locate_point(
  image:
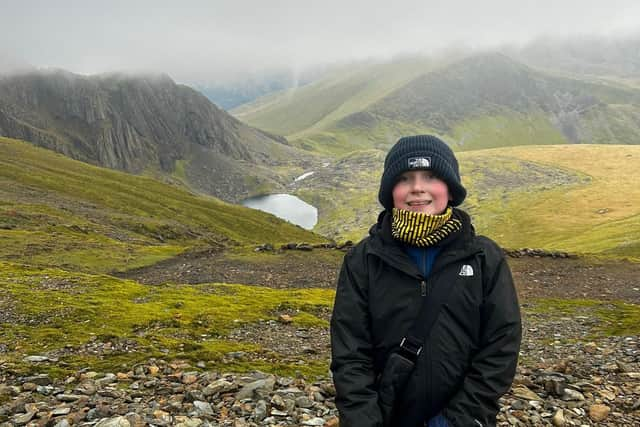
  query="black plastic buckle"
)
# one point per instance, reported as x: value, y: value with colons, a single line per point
x: 410, y: 348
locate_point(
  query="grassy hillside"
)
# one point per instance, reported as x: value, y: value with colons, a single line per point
x: 311, y: 108
x: 482, y: 101
x: 595, y: 212
x: 65, y: 225
x: 58, y: 212
x: 577, y: 198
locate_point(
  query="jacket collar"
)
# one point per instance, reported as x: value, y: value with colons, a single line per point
x: 459, y: 245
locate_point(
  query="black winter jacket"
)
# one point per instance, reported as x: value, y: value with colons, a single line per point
x: 470, y: 357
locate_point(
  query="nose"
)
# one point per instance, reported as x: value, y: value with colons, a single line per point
x: 418, y: 185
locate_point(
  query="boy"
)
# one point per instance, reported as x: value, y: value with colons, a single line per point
x: 450, y: 370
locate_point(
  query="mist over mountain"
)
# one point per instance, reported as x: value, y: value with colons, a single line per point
x: 596, y: 56
x: 493, y: 85
x: 230, y: 94
x: 475, y: 101
x: 140, y: 124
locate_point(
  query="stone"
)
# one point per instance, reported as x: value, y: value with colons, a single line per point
x: 189, y: 378
x: 285, y: 318
x: 570, y: 394
x: 609, y: 395
x: 41, y: 379
x: 519, y: 405
x: 135, y: 420
x: 203, y: 408
x: 113, y: 422
x: 277, y: 402
x: 68, y: 397
x: 45, y: 390
x: 182, y: 421
x: 36, y: 359
x: 555, y: 385
x: 259, y: 387
x: 523, y: 392
x: 162, y: 416
x: 599, y: 412
x: 56, y: 412
x: 219, y: 386
x: 314, y: 422
x: 29, y: 386
x: 62, y: 423
x: 87, y: 388
x: 558, y: 419
x: 107, y: 379
x: 304, y: 402
x: 260, y: 411
x: 22, y: 419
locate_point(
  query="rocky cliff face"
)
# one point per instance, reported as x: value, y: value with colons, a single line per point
x: 136, y: 124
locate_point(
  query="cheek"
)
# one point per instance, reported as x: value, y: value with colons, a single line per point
x: 399, y: 194
x: 440, y: 190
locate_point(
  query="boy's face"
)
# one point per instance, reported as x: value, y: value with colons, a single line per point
x: 421, y: 191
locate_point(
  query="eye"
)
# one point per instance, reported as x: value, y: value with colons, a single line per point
x: 428, y: 176
x: 403, y: 178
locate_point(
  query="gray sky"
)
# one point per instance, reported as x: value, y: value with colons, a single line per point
x: 216, y: 40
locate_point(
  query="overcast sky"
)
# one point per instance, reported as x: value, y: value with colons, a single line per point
x: 211, y: 40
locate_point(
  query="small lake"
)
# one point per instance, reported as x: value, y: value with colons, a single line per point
x: 285, y: 206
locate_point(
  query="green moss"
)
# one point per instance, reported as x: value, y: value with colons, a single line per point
x: 614, y: 318
x: 57, y: 309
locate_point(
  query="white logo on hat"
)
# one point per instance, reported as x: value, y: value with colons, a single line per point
x: 419, y: 162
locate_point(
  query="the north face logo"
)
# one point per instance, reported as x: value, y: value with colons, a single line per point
x: 419, y: 162
x: 466, y: 270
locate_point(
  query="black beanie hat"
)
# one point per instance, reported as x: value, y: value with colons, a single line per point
x: 421, y: 152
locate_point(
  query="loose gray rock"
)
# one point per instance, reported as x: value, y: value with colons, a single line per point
x: 113, y: 422
x: 261, y: 388
x: 203, y: 408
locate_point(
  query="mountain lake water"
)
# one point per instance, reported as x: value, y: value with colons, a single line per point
x: 285, y: 206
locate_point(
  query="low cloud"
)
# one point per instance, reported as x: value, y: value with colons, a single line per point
x: 219, y: 40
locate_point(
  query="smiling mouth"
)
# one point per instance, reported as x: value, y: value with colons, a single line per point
x: 420, y: 203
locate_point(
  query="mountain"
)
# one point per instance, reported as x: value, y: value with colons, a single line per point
x: 614, y: 58
x: 142, y: 124
x: 480, y: 101
x: 345, y: 90
x: 59, y: 212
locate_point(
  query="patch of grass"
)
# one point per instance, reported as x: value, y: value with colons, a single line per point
x: 614, y: 318
x: 64, y: 213
x: 171, y: 320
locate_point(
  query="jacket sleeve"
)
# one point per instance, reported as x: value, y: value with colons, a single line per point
x: 494, y: 365
x: 352, y: 352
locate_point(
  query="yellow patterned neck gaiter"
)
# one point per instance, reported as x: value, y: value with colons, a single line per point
x: 422, y: 230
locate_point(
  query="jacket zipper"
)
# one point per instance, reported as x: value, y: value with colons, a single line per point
x: 423, y: 283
